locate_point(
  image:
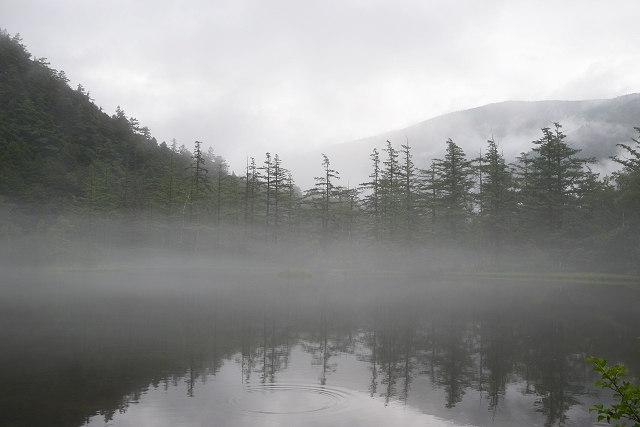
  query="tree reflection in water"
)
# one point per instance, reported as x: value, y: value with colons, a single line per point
x: 76, y: 360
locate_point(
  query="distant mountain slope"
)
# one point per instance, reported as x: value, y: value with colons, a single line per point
x: 595, y: 126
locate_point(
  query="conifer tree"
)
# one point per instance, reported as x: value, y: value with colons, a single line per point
x: 233, y: 189
x: 631, y: 163
x: 373, y: 198
x: 291, y: 204
x: 409, y: 188
x: 200, y: 183
x: 267, y: 174
x: 347, y: 211
x: 220, y: 191
x: 323, y: 192
x: 429, y: 193
x: 252, y: 192
x: 628, y: 183
x: 453, y: 184
x: 279, y: 174
x: 169, y: 190
x: 497, y: 197
x: 391, y: 189
x: 555, y: 174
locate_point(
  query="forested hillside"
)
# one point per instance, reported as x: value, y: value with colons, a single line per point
x: 61, y: 152
x: 75, y: 180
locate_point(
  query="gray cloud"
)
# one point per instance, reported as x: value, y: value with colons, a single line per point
x: 286, y: 76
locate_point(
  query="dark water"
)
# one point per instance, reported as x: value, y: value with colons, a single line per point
x: 220, y: 347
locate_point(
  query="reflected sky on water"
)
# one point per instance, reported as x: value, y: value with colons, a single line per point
x: 241, y: 349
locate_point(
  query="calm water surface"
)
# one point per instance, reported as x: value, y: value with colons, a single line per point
x: 221, y: 347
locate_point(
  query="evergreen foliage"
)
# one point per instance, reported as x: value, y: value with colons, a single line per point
x: 555, y: 177
x: 453, y: 185
x: 496, y: 198
x: 70, y: 174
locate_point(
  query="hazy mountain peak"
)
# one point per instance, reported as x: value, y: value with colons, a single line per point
x: 595, y: 126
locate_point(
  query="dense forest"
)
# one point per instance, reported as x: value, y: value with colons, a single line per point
x: 75, y: 180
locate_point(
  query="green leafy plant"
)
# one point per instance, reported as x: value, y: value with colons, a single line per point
x: 628, y: 408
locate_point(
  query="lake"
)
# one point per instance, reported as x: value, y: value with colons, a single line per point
x: 259, y: 346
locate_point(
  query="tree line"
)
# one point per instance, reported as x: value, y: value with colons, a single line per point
x: 68, y: 169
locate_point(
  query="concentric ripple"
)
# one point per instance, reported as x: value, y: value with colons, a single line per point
x: 288, y: 399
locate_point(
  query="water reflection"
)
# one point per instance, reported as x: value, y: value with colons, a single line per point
x: 456, y: 351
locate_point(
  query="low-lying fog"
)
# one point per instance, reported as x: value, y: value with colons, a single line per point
x: 168, y: 339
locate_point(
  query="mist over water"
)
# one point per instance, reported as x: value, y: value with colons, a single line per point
x: 188, y: 342
x: 460, y: 282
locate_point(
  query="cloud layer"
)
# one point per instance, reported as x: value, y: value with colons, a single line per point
x: 251, y: 76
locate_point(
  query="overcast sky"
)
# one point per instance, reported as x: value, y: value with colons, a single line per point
x: 248, y: 77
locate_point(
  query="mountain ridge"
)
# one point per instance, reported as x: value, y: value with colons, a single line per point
x: 595, y: 126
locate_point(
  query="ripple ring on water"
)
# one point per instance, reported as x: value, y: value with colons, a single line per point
x: 285, y: 399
